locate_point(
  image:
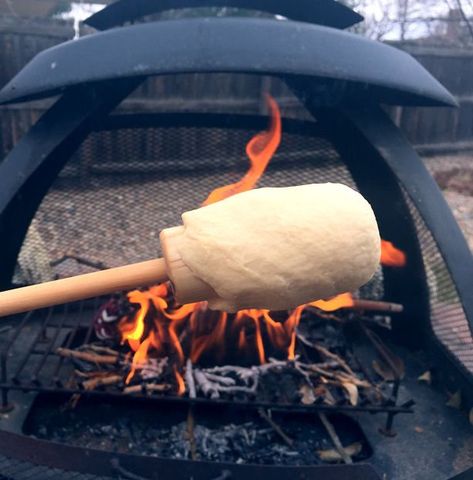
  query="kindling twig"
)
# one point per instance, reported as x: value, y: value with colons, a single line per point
x: 190, y: 379
x: 98, y: 349
x: 335, y: 438
x: 88, y: 357
x: 190, y: 432
x: 101, y: 381
x: 148, y: 388
x: 82, y: 260
x: 262, y: 413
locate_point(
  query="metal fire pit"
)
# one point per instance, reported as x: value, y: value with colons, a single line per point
x: 100, y: 168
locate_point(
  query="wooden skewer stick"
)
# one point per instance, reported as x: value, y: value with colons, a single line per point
x: 81, y: 287
x: 188, y: 287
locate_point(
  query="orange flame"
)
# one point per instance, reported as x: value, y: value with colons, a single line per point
x: 161, y: 328
x: 343, y: 300
x: 260, y: 149
x: 392, y: 256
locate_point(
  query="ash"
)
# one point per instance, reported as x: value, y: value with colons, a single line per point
x: 217, y: 434
x: 246, y: 443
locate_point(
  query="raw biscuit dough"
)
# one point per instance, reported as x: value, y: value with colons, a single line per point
x: 277, y: 248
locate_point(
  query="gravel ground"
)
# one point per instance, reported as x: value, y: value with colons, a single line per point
x: 454, y: 174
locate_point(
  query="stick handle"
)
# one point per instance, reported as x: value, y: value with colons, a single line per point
x: 83, y: 286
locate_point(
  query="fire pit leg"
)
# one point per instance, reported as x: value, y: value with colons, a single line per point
x: 5, y: 407
x: 387, y: 430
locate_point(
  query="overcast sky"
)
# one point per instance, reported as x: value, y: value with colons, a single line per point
x: 373, y: 10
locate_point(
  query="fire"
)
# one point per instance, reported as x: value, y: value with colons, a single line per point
x: 160, y: 328
x: 392, y: 256
x: 260, y: 149
x: 343, y: 300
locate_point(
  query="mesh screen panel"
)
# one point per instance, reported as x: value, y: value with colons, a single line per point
x: 448, y: 319
x: 124, y: 186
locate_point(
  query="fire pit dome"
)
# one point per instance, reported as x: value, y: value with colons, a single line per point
x: 99, y: 152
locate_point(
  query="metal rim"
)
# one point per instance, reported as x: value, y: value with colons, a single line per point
x: 343, y: 67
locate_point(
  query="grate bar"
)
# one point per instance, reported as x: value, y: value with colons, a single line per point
x: 72, y: 335
x: 40, y: 336
x: 55, y: 383
x: 52, y: 342
x: 280, y: 407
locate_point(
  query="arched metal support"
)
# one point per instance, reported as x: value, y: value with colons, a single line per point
x: 361, y: 70
x: 378, y: 183
x: 402, y: 160
x: 29, y: 170
x: 380, y: 159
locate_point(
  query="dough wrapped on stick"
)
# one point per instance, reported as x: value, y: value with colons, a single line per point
x: 272, y: 248
x: 275, y: 248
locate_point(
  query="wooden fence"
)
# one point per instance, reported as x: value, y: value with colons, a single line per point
x: 430, y: 130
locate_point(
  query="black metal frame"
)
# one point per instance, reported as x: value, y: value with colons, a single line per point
x: 322, y: 12
x: 28, y: 171
x: 361, y: 69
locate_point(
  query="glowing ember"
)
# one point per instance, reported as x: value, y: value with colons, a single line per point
x: 160, y: 328
x: 392, y: 256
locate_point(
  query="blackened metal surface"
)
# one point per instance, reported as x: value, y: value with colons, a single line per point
x: 466, y: 475
x: 322, y: 12
x: 343, y: 66
x: 28, y: 171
